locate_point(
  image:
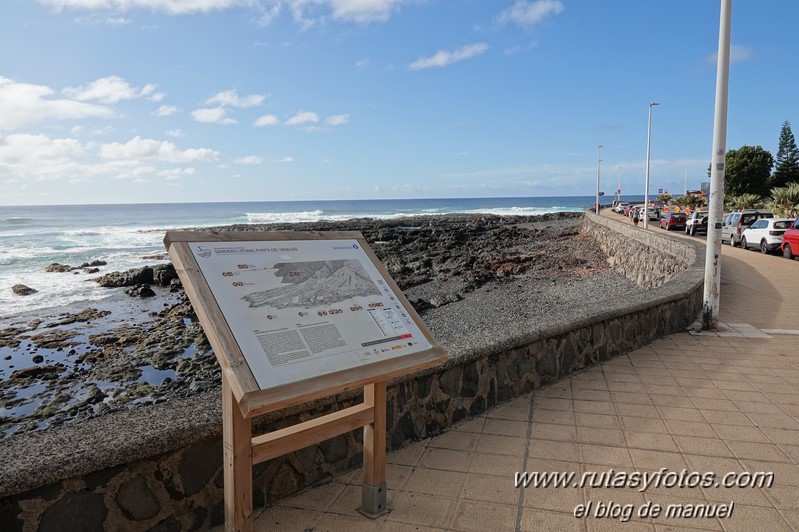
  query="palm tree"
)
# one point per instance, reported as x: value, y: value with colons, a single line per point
x: 746, y: 201
x: 665, y: 198
x: 693, y: 202
x: 784, y: 201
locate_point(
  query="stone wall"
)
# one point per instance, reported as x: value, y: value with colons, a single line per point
x: 644, y: 257
x: 160, y: 467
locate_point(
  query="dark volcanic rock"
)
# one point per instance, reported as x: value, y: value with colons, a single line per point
x: 93, y: 264
x: 131, y: 277
x: 164, y: 274
x: 161, y: 275
x: 56, y: 267
x: 37, y: 371
x: 141, y: 290
x: 22, y: 290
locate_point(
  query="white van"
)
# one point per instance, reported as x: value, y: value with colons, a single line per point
x: 734, y: 224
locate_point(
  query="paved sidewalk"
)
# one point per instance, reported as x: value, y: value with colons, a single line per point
x: 708, y: 402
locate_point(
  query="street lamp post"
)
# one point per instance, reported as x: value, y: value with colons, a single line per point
x: 646, y: 185
x: 618, y: 190
x: 597, y: 178
x: 712, y: 291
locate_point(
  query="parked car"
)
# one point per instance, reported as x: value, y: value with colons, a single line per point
x: 696, y: 223
x: 673, y: 220
x: 652, y: 213
x: 736, y: 222
x: 790, y: 241
x: 619, y: 208
x: 766, y: 234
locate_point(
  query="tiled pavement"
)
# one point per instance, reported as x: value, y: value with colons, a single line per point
x: 708, y: 402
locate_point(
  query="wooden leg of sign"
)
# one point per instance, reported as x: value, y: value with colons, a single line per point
x: 373, y: 490
x: 237, y: 439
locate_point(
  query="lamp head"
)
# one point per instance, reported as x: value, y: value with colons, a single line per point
x: 653, y: 103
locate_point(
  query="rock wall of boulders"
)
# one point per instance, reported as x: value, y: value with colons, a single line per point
x: 181, y: 485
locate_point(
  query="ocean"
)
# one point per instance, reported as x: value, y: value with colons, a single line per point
x: 32, y: 237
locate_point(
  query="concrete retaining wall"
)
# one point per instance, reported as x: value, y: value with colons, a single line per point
x: 160, y: 467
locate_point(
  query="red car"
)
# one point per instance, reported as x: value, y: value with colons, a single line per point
x: 790, y: 241
x: 673, y: 220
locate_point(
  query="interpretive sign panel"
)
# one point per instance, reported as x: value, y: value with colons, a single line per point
x: 301, y: 306
x: 292, y: 317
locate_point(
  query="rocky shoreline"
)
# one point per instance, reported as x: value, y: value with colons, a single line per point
x: 466, y: 275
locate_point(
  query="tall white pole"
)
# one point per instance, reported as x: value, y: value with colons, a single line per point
x: 597, y: 178
x: 646, y: 184
x: 710, y: 306
x: 618, y: 190
x: 685, y: 184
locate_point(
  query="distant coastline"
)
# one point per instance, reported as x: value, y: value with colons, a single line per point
x: 31, y: 238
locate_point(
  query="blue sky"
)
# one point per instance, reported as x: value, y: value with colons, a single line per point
x: 120, y: 101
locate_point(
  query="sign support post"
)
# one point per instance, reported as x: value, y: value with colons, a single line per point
x: 373, y: 491
x: 236, y: 439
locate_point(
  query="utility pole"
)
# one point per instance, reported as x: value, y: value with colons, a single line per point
x: 646, y: 184
x: 710, y: 305
x: 597, y: 177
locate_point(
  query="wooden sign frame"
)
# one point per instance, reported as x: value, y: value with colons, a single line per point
x: 243, y: 398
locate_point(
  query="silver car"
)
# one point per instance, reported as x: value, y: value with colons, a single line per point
x: 697, y: 223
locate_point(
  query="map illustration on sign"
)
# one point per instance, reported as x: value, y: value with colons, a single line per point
x: 313, y: 283
x: 306, y: 307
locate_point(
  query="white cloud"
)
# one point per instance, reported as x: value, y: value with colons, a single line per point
x: 213, y: 115
x: 738, y: 54
x: 266, y: 120
x: 443, y: 58
x: 309, y: 13
x: 165, y: 110
x: 530, y: 13
x: 108, y: 90
x: 176, y: 173
x: 177, y: 133
x: 363, y: 63
x: 363, y: 11
x: 23, y: 104
x: 172, y: 7
x: 338, y: 120
x: 306, y: 13
x: 303, y: 117
x: 286, y: 160
x: 95, y: 18
x: 117, y: 21
x: 157, y: 97
x: 250, y: 159
x: 517, y: 49
x: 231, y: 98
x: 25, y: 157
x: 160, y: 150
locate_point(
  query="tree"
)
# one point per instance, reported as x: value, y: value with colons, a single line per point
x: 693, y: 202
x: 746, y: 201
x: 787, y: 161
x: 748, y: 171
x: 784, y: 201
